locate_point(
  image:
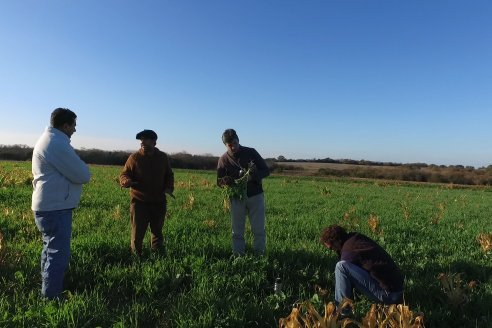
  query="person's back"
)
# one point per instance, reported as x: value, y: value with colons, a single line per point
x: 363, y: 265
x: 366, y: 253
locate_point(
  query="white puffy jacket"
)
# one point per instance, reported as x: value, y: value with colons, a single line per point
x: 58, y: 173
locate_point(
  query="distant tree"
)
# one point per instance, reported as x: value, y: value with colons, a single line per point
x: 327, y: 160
x: 16, y: 152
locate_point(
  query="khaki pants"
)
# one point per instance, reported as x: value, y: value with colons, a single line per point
x: 142, y: 216
x: 255, y: 208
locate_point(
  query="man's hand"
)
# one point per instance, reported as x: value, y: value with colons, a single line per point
x: 253, y: 173
x: 226, y: 181
x: 169, y: 192
x: 127, y: 183
x: 253, y: 168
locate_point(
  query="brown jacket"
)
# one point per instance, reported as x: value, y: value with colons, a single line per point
x: 152, y: 175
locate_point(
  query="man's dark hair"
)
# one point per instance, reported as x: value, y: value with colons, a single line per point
x: 335, y: 235
x: 229, y: 135
x: 61, y: 116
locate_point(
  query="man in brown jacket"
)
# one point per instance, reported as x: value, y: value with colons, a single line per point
x: 149, y: 176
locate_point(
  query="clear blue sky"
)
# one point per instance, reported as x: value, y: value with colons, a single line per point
x: 383, y: 80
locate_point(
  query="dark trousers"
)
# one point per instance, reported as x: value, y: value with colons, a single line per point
x: 142, y: 216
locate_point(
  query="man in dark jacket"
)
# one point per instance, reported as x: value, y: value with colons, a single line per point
x: 363, y: 265
x: 149, y: 175
x: 241, y: 169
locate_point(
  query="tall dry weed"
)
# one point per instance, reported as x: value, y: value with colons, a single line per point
x: 485, y: 241
x: 2, y: 249
x: 374, y: 224
x: 440, y: 213
x: 457, y: 291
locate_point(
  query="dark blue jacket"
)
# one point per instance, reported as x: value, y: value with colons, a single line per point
x: 366, y: 253
x: 230, y: 164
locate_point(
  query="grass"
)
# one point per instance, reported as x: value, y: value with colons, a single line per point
x: 428, y: 228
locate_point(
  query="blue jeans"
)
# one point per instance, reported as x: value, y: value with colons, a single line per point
x: 349, y: 276
x: 255, y: 207
x: 56, y: 231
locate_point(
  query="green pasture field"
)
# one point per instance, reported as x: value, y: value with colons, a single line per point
x: 428, y: 229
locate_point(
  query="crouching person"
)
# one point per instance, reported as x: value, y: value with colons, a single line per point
x: 363, y: 265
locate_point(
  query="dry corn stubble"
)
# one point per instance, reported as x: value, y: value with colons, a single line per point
x: 304, y: 315
x: 485, y: 241
x: 379, y: 316
x: 457, y: 292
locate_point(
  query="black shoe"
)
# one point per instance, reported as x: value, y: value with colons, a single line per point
x: 161, y: 251
x: 346, y: 313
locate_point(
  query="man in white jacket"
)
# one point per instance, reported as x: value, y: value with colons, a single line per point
x: 58, y: 177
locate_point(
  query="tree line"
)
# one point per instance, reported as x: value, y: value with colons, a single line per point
x: 180, y: 160
x: 434, y: 174
x: 420, y: 172
x: 364, y: 162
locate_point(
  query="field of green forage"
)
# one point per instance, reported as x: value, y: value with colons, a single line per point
x: 440, y: 235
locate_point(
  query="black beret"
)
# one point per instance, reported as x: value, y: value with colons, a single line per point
x: 147, y: 134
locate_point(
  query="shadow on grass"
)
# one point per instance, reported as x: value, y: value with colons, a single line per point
x: 120, y: 276
x: 301, y: 273
x: 426, y: 293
